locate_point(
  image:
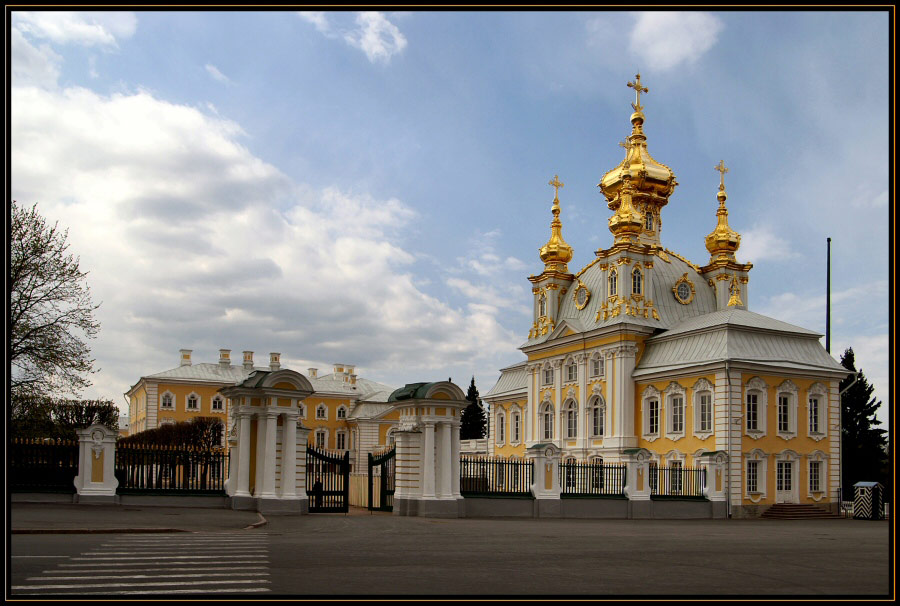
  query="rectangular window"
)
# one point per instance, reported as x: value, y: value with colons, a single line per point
x: 572, y: 372
x: 320, y: 439
x: 516, y: 427
x: 654, y: 416
x: 677, y: 414
x: 783, y: 414
x: 596, y: 367
x: 675, y: 477
x: 217, y: 404
x: 572, y: 424
x: 705, y: 412
x: 752, y: 412
x: 548, y: 376
x: 501, y: 437
x: 752, y: 476
x: 598, y: 421
x: 341, y: 439
x: 548, y: 425
x: 813, y: 415
x: 783, y: 476
x: 814, y: 475
x: 192, y: 403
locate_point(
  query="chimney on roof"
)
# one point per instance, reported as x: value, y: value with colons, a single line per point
x: 224, y: 357
x: 312, y: 372
x: 338, y: 369
x: 248, y: 360
x: 274, y: 361
x: 185, y: 356
x: 353, y: 381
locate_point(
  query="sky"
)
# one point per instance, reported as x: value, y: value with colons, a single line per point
x: 370, y: 188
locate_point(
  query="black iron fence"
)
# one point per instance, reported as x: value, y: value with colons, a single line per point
x: 170, y: 470
x: 42, y: 465
x: 483, y: 476
x: 592, y: 480
x: 677, y: 481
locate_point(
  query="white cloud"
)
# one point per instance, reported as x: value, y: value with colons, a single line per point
x: 318, y: 19
x: 213, y: 71
x: 191, y: 241
x: 85, y: 28
x: 761, y: 243
x: 377, y: 37
x: 33, y: 66
x: 662, y: 40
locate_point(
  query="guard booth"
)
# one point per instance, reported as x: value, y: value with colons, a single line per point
x: 868, y: 501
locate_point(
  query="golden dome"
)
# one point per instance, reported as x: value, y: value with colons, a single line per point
x: 653, y: 182
x: 626, y: 222
x: 556, y: 253
x: 723, y: 242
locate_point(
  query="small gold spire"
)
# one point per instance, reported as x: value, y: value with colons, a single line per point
x: 638, y: 89
x: 723, y: 242
x: 556, y: 253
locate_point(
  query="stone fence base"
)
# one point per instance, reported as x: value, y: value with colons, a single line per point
x: 594, y: 508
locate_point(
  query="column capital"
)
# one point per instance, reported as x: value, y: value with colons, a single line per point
x: 272, y: 414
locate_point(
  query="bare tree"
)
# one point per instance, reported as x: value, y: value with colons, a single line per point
x: 51, y: 313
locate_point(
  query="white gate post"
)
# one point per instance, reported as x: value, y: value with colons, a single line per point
x: 96, y: 480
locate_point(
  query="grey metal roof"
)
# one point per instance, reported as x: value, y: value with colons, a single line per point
x: 208, y: 372
x: 512, y: 379
x: 368, y: 410
x: 365, y: 389
x: 735, y: 335
x: 667, y: 269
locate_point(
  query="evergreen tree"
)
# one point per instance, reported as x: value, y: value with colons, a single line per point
x: 864, y: 445
x: 473, y: 421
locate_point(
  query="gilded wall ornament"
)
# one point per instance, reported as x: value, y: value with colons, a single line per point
x: 683, y: 290
x: 581, y: 295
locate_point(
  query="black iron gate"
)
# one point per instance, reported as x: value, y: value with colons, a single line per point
x: 381, y: 472
x: 327, y: 481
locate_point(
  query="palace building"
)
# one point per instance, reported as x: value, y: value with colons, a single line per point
x: 642, y: 348
x: 344, y: 412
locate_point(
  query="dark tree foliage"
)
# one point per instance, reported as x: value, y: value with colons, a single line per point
x: 864, y: 446
x: 204, y: 433
x: 473, y: 421
x: 50, y: 311
x: 43, y: 417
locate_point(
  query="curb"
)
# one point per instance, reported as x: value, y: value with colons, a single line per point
x: 92, y: 530
x: 262, y: 522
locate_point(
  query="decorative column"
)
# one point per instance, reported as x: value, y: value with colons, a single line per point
x: 445, y: 461
x: 268, y: 491
x: 289, y: 456
x: 637, y: 482
x: 231, y: 442
x: 582, y: 360
x: 454, y: 458
x: 530, y: 405
x: 243, y: 454
x: 428, y: 459
x: 557, y: 405
x: 545, y: 485
x: 623, y: 397
x: 96, y: 480
x: 260, y: 452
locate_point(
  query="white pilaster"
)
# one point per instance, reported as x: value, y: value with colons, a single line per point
x: 289, y: 457
x: 259, y: 486
x: 454, y: 458
x: 243, y: 462
x: 445, y: 461
x: 428, y: 461
x: 270, y: 457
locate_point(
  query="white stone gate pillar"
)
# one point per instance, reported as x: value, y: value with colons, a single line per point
x: 716, y: 465
x: 637, y: 482
x: 545, y: 484
x: 289, y: 456
x: 96, y: 480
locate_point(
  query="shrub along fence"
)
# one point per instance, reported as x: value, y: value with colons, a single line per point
x: 483, y: 476
x: 143, y: 469
x: 43, y: 465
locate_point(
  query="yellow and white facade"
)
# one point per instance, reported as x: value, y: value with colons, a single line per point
x: 642, y: 348
x: 344, y: 412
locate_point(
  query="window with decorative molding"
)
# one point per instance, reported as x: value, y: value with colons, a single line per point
x: 548, y: 376
x: 613, y: 280
x: 547, y: 421
x: 755, y: 402
x: 814, y: 415
x: 815, y: 469
x: 218, y: 404
x: 650, y: 413
x: 571, y: 372
x: 572, y: 420
x: 654, y: 416
x: 320, y: 439
x: 786, y: 408
x: 501, y: 428
x: 597, y: 414
x: 784, y: 414
x: 752, y: 412
x: 542, y: 305
x: 648, y: 221
x: 677, y: 414
x: 816, y: 411
x: 637, y: 281
x: 340, y: 440
x: 516, y: 427
x: 321, y: 411
x: 168, y: 400
x: 752, y: 476
x: 597, y: 367
x: 193, y: 402
x: 342, y: 413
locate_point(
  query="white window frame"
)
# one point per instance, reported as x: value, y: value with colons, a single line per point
x: 700, y: 389
x: 162, y: 400
x: 212, y: 404
x: 820, y: 393
x: 571, y: 371
x: 673, y: 392
x: 542, y: 305
x: 761, y: 459
x: 301, y: 408
x: 515, y: 425
x: 598, y: 411
x: 545, y: 414
x: 547, y: 375
x: 789, y: 391
x: 597, y: 366
x: 187, y: 402
x: 637, y: 280
x: 500, y: 429
x: 761, y: 389
x: 341, y: 409
x: 651, y: 394
x: 789, y: 456
x: 322, y: 406
x: 612, y: 282
x: 570, y: 413
x: 821, y: 459
x: 337, y: 440
x: 324, y: 433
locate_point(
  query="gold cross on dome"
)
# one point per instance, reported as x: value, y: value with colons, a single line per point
x: 556, y: 183
x: 722, y: 170
x: 638, y: 89
x: 626, y: 144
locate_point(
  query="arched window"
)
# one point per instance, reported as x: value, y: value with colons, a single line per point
x: 501, y: 428
x: 321, y: 411
x: 193, y: 402
x: 648, y: 221
x: 572, y: 420
x: 342, y: 413
x: 168, y: 401
x: 613, y: 279
x: 597, y: 414
x: 636, y: 278
x: 547, y: 421
x: 218, y: 405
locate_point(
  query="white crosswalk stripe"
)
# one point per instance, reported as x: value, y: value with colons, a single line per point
x: 198, y: 564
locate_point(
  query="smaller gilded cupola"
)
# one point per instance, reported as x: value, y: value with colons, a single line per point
x: 723, y: 242
x: 556, y: 253
x: 554, y: 282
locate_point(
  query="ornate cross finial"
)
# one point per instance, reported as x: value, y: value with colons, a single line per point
x: 722, y: 170
x: 556, y: 183
x: 638, y: 89
x: 626, y: 144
